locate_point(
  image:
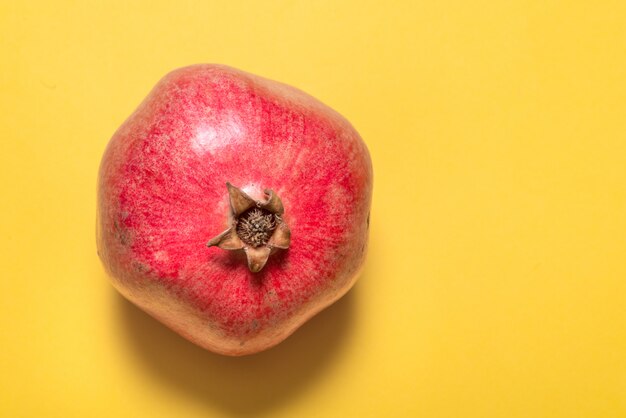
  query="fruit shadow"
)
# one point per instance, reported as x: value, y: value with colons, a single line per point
x: 241, y: 386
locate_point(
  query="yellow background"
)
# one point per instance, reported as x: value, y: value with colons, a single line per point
x: 496, y: 281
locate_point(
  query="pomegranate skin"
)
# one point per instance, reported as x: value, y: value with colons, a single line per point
x: 162, y: 196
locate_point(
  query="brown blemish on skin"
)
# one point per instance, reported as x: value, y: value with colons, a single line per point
x: 271, y: 300
x: 120, y: 234
x: 140, y: 267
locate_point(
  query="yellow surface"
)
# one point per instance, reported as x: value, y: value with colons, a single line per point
x: 496, y: 281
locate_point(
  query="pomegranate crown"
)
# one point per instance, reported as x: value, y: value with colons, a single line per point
x: 256, y: 227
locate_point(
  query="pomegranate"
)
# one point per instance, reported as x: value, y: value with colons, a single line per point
x: 233, y: 208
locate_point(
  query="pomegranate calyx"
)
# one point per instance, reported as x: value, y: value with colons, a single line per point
x: 257, y: 227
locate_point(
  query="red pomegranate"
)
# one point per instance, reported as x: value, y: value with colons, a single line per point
x: 233, y: 208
